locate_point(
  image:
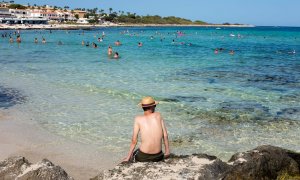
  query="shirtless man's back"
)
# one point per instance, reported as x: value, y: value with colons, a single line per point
x: 152, y: 130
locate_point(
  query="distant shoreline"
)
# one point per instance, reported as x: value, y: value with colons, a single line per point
x: 88, y: 27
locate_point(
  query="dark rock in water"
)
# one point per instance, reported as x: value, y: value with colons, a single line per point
x: 243, y: 107
x: 20, y: 168
x: 289, y: 113
x: 185, y: 99
x: 264, y: 162
x: 10, y: 97
x: 243, y: 111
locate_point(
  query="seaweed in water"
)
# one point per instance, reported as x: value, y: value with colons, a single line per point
x: 10, y: 97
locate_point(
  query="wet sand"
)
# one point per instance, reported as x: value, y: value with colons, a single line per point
x: 26, y: 138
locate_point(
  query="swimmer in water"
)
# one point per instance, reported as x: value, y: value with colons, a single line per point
x: 231, y: 52
x: 216, y: 51
x: 95, y: 45
x: 11, y: 40
x: 59, y: 43
x: 19, y: 39
x: 117, y: 43
x: 35, y: 40
x: 140, y: 44
x: 293, y: 52
x: 109, y: 51
x: 116, y: 56
x: 87, y: 44
x: 44, y: 40
x: 82, y: 43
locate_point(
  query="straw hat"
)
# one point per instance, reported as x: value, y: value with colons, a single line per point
x: 148, y: 102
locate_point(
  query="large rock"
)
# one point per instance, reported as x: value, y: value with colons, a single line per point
x: 265, y: 162
x: 261, y: 163
x: 20, y: 169
x: 199, y: 166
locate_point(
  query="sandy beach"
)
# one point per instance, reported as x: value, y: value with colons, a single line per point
x: 90, y: 26
x: 23, y: 137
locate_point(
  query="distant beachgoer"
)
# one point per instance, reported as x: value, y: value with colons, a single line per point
x: 292, y: 52
x: 117, y: 43
x: 11, y: 40
x: 82, y: 43
x: 87, y: 44
x: 35, y: 40
x: 19, y: 39
x: 116, y: 56
x: 95, y: 45
x: 216, y: 51
x: 153, y: 131
x: 44, y: 40
x: 109, y: 51
x: 231, y: 52
x: 140, y: 44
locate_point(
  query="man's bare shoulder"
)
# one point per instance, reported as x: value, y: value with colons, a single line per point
x: 139, y: 117
x: 157, y: 114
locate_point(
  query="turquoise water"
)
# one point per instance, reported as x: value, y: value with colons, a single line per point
x: 212, y: 103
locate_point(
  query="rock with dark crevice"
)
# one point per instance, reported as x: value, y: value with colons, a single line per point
x: 20, y: 169
x: 264, y: 162
x: 197, y: 166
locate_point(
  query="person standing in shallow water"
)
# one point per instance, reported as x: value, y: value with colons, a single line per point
x: 109, y: 51
x: 152, y: 130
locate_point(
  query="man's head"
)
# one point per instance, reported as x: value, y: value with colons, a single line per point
x: 148, y: 103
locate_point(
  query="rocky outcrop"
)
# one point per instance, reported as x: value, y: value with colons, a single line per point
x: 264, y: 162
x: 20, y: 169
x: 176, y: 167
x: 261, y: 163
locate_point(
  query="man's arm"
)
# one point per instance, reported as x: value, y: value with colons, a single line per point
x: 136, y: 129
x: 166, y: 139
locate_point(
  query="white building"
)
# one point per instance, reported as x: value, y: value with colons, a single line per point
x: 82, y: 21
x: 19, y: 13
x: 4, y: 13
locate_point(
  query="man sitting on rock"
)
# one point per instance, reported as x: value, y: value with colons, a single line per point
x: 152, y: 130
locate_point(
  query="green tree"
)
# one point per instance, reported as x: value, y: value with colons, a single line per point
x: 16, y: 6
x: 110, y: 10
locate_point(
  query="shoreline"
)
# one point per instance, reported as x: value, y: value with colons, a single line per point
x: 91, y: 26
x: 21, y: 136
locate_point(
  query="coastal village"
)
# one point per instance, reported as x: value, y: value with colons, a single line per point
x: 11, y: 13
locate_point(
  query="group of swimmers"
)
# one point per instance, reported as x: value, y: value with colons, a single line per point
x: 217, y: 50
x: 43, y: 40
x: 118, y: 43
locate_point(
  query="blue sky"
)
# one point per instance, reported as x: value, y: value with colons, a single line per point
x: 256, y: 12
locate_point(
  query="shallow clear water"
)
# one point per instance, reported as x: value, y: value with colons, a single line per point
x: 212, y: 103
